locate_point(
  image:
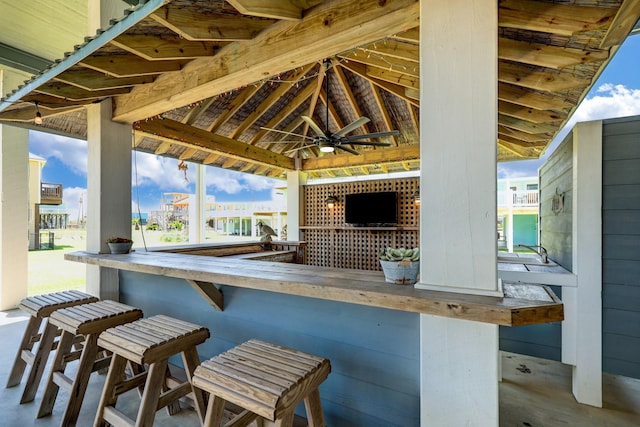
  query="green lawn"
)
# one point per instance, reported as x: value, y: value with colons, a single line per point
x: 49, y: 272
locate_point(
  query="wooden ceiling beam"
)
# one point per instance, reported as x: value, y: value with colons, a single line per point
x: 234, y: 106
x: 391, y: 49
x: 529, y: 114
x: 129, y: 65
x: 270, y: 100
x: 386, y: 117
x: 394, y: 77
x: 388, y: 155
x: 276, y: 9
x: 394, y: 89
x: 523, y: 136
x: 196, y: 26
x: 351, y: 99
x: 154, y: 48
x: 28, y: 113
x: 74, y: 93
x: 528, y: 98
x: 622, y: 24
x: 176, y: 131
x: 546, y: 17
x: 399, y: 65
x: 299, y: 43
x: 546, y: 56
x: 163, y: 147
x: 411, y: 35
x: 526, y: 126
x: 88, y: 79
x: 187, y: 154
x: 520, y: 152
x: 539, y: 78
x: 519, y: 142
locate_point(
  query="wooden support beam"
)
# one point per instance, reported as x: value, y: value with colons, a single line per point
x: 210, y: 293
x: 129, y: 65
x: 276, y: 9
x: 399, y: 65
x: 411, y: 35
x: 539, y: 78
x: 546, y: 56
x: 526, y: 126
x: 154, y: 48
x: 369, y: 157
x: 622, y: 25
x: 394, y: 77
x: 299, y: 43
x: 527, y: 98
x: 392, y: 49
x: 552, y: 18
x: 187, y: 154
x: 234, y: 106
x: 177, y: 131
x: 163, y: 147
x: 529, y: 114
x: 89, y: 79
x: 196, y: 26
x: 361, y: 70
x: 74, y: 93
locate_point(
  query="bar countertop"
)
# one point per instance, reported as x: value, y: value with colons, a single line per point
x: 368, y: 288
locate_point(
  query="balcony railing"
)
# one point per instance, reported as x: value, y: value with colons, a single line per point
x: 50, y: 194
x: 518, y: 199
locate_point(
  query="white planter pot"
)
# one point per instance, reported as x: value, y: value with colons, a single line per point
x: 119, y: 248
x: 401, y: 272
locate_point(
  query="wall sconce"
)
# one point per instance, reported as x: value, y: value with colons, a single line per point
x: 331, y: 201
x: 416, y: 197
x: 38, y: 119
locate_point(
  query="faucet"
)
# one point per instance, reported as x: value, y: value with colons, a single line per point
x: 542, y: 252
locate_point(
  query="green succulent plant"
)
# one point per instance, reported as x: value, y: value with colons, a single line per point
x: 399, y: 254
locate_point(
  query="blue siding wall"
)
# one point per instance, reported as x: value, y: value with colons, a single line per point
x: 621, y: 246
x: 374, y: 352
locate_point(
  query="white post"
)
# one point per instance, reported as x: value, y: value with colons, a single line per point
x: 458, y: 131
x: 295, y: 181
x: 582, y: 328
x: 108, y: 192
x: 14, y: 208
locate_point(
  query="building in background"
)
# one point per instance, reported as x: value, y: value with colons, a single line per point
x: 45, y: 210
x: 517, y: 212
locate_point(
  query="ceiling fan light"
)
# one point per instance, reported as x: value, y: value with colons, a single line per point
x: 327, y: 148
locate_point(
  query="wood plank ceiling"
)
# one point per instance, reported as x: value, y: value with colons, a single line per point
x: 201, y: 80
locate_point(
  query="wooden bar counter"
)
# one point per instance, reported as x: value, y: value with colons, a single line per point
x: 343, y: 285
x: 367, y: 328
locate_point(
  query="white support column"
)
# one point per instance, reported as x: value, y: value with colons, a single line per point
x: 196, y: 212
x: 14, y: 205
x: 108, y: 192
x: 295, y: 181
x: 582, y: 328
x: 458, y: 131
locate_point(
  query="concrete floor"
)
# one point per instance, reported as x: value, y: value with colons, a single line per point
x: 534, y: 393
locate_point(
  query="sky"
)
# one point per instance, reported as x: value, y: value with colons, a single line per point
x: 616, y: 93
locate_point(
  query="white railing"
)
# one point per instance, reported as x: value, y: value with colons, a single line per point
x: 518, y: 199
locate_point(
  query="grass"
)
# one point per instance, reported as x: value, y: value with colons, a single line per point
x: 50, y: 272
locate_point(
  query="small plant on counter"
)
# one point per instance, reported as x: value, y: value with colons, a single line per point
x: 399, y: 254
x: 119, y: 240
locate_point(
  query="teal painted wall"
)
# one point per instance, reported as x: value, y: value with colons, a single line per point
x: 374, y: 352
x: 525, y: 229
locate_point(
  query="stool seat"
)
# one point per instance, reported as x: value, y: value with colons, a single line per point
x: 265, y: 379
x: 87, y: 320
x: 151, y: 342
x: 40, y: 308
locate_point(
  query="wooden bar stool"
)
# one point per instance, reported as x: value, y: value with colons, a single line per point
x: 266, y: 380
x: 150, y: 342
x: 40, y: 308
x: 88, y: 320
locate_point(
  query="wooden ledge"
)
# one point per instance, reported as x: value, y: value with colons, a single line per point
x: 343, y: 285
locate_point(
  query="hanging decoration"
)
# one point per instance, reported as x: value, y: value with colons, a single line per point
x: 182, y: 166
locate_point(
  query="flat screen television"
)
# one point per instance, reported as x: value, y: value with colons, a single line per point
x: 371, y: 209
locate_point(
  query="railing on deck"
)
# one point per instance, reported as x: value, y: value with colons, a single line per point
x: 50, y: 194
x: 518, y: 199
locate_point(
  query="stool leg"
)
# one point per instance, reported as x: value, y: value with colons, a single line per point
x: 108, y: 398
x: 215, y: 412
x: 79, y: 387
x: 19, y: 363
x: 59, y: 364
x: 39, y: 362
x: 313, y: 406
x: 151, y: 394
x: 191, y: 361
x: 286, y: 420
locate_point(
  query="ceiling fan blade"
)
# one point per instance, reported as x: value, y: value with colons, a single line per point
x: 370, y: 135
x: 376, y: 143
x: 348, y: 149
x: 352, y: 126
x: 286, y: 133
x: 313, y: 126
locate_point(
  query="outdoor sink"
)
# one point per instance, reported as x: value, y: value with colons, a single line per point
x: 528, y: 259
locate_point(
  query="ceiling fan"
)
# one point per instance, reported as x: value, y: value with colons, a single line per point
x: 327, y: 141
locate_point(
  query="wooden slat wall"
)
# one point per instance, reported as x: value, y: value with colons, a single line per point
x: 621, y: 246
x: 334, y: 244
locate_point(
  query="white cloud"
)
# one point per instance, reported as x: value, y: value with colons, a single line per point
x: 71, y: 198
x: 152, y: 170
x: 233, y: 182
x: 69, y: 151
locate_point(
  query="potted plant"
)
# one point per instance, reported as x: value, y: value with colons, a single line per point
x: 119, y: 245
x: 400, y: 265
